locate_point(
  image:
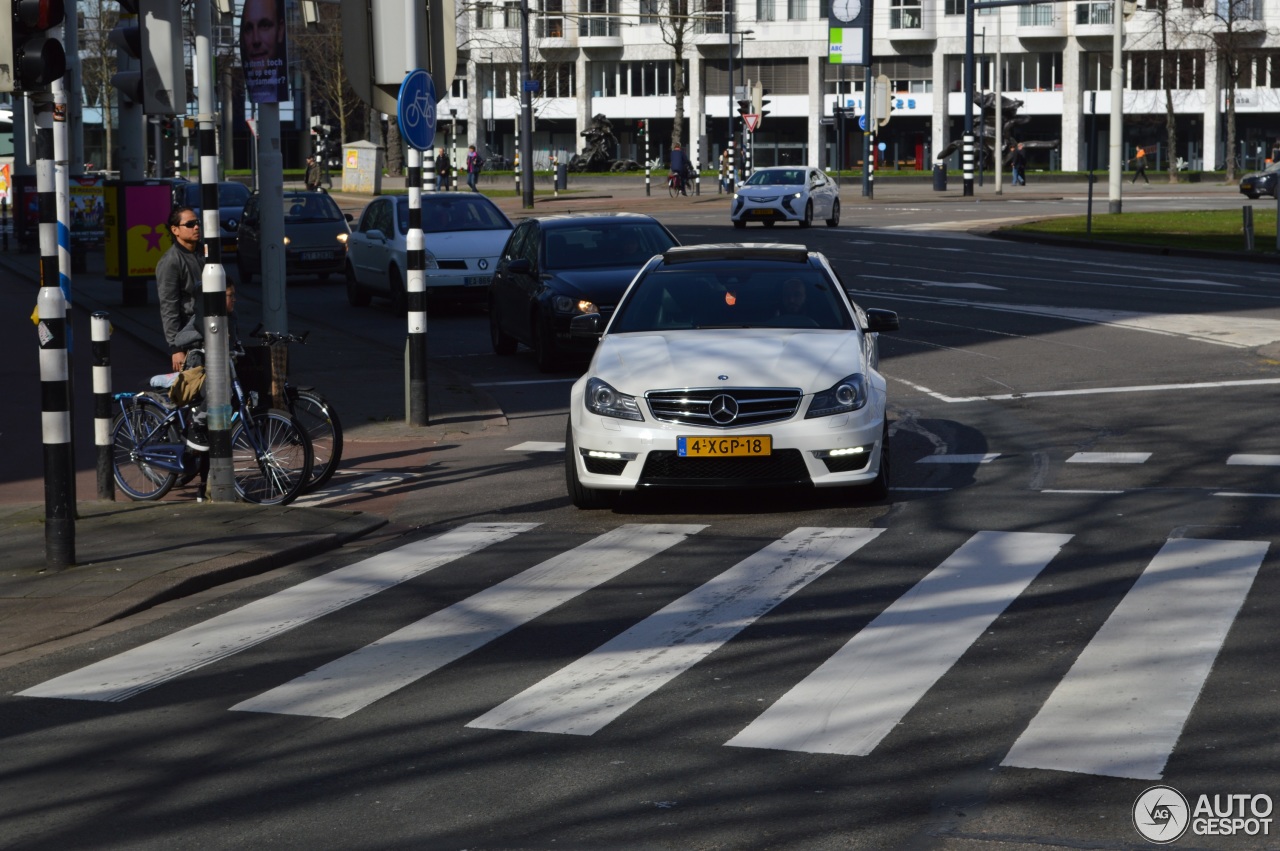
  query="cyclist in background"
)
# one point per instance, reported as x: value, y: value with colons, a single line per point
x: 680, y: 167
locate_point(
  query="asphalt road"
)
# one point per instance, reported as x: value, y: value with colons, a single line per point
x: 1067, y: 601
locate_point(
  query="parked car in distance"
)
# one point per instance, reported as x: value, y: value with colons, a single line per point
x: 559, y: 267
x: 315, y: 236
x: 786, y: 194
x: 731, y: 366
x: 464, y: 233
x: 231, y: 200
x: 1260, y: 183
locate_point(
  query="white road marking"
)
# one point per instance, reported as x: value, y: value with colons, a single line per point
x: 984, y: 458
x: 1088, y: 391
x: 348, y: 487
x: 1120, y: 709
x: 518, y: 383
x: 134, y: 671
x: 376, y: 670
x: 855, y: 698
x: 1255, y: 460
x: 585, y: 696
x: 1077, y: 491
x: 537, y: 446
x: 1109, y: 458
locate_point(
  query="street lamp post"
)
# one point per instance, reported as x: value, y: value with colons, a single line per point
x: 453, y: 145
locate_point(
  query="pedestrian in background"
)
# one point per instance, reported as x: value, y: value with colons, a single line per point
x: 1020, y: 165
x: 314, y: 174
x: 474, y: 164
x: 724, y: 170
x: 443, y: 167
x: 1140, y: 165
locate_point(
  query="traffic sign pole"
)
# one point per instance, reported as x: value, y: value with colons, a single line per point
x: 416, y: 113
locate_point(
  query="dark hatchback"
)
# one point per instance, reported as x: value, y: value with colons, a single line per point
x: 315, y: 236
x: 1261, y: 182
x: 558, y: 267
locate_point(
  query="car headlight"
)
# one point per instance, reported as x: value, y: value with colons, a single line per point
x: 342, y: 237
x: 568, y: 304
x: 604, y: 400
x: 287, y: 240
x: 849, y: 394
x: 429, y: 261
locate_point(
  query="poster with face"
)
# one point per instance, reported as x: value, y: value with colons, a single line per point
x: 264, y: 51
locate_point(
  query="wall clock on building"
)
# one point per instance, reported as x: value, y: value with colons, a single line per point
x: 846, y: 10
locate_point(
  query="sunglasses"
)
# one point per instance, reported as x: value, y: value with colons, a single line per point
x: 191, y: 224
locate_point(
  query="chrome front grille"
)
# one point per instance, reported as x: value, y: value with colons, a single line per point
x: 706, y: 407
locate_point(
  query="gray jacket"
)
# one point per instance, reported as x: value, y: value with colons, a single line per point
x: 177, y: 287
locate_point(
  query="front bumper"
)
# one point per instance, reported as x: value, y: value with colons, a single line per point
x: 624, y: 455
x: 784, y: 209
x: 315, y: 261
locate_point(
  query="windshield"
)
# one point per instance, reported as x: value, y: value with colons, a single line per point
x: 231, y: 196
x: 447, y: 215
x: 310, y: 208
x: 604, y: 245
x: 777, y: 177
x: 766, y: 295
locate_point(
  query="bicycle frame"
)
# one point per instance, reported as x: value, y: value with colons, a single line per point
x: 164, y: 456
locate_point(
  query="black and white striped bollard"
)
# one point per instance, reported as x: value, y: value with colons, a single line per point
x: 101, y: 334
x: 55, y: 416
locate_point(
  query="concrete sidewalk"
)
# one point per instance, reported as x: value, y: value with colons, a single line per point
x: 132, y: 556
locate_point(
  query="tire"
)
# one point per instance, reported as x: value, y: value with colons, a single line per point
x: 584, y: 498
x: 133, y: 430
x: 272, y: 465
x: 835, y: 214
x: 740, y: 224
x: 807, y: 221
x: 357, y: 296
x: 399, y: 297
x: 671, y: 189
x: 1252, y: 196
x: 878, y: 489
x: 544, y: 351
x: 503, y: 343
x: 315, y: 416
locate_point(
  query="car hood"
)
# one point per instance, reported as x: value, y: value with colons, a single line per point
x: 1258, y: 175
x: 600, y: 286
x: 811, y: 360
x: 464, y: 244
x: 769, y: 190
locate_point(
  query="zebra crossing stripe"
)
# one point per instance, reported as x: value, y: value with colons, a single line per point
x: 583, y: 697
x: 134, y: 671
x: 1121, y: 707
x: 376, y: 670
x: 852, y: 701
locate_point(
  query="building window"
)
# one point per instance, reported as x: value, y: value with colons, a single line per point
x: 795, y: 10
x: 595, y: 18
x: 1039, y: 15
x: 1178, y: 69
x: 648, y: 12
x: 905, y: 15
x: 511, y: 16
x: 1095, y: 14
x: 550, y: 21
x: 715, y: 17
x: 485, y: 17
x: 953, y: 7
x: 764, y: 10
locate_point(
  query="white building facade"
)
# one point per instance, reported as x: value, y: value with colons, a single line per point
x: 611, y: 58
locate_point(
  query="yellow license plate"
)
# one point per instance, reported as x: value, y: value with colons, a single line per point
x: 763, y: 212
x: 724, y: 447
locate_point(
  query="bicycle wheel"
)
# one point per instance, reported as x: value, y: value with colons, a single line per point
x: 134, y: 430
x: 270, y: 458
x: 671, y: 188
x: 317, y: 418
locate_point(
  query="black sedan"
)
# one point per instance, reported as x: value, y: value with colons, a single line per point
x: 1261, y: 182
x: 555, y: 268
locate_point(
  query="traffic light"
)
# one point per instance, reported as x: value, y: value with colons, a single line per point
x: 744, y: 106
x: 167, y: 127
x: 761, y: 103
x: 640, y: 127
x: 31, y: 57
x: 150, y: 32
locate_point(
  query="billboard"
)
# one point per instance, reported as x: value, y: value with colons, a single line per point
x: 264, y: 51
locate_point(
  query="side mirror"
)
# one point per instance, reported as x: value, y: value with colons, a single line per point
x: 350, y: 218
x: 375, y: 235
x: 588, y: 326
x: 881, y: 320
x: 520, y: 266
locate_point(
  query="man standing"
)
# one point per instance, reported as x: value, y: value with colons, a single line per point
x: 314, y: 174
x: 178, y: 273
x: 443, y: 169
x: 473, y: 167
x: 1020, y: 165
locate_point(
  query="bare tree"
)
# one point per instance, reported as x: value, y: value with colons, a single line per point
x: 1173, y: 35
x: 319, y: 48
x: 98, y: 64
x: 1235, y: 30
x: 678, y: 28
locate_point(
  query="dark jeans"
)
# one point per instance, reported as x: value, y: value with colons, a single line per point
x: 471, y: 181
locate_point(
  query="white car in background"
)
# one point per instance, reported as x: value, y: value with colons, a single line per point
x: 464, y: 232
x: 786, y: 194
x: 729, y: 367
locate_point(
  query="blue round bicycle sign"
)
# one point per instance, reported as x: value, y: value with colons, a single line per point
x: 416, y: 110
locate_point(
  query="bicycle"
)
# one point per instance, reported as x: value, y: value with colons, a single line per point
x: 313, y: 414
x: 675, y: 185
x: 270, y: 454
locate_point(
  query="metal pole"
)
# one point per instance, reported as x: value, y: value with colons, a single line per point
x: 100, y: 327
x: 526, y: 110
x: 1117, y: 112
x: 55, y: 414
x: 967, y: 158
x: 999, y: 109
x: 869, y: 116
x: 416, y: 274
x: 648, y: 163
x: 213, y: 280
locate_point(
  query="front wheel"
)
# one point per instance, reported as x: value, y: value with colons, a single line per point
x: 357, y: 296
x: 270, y: 459
x: 807, y: 221
x: 740, y: 224
x: 878, y: 489
x: 503, y: 343
x: 319, y: 420
x: 399, y: 296
x: 137, y: 431
x: 544, y: 351
x: 587, y: 499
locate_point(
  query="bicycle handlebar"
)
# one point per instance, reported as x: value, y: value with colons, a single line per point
x: 275, y: 337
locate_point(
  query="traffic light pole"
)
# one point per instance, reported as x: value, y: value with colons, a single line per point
x: 526, y: 110
x: 416, y: 273
x: 213, y: 280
